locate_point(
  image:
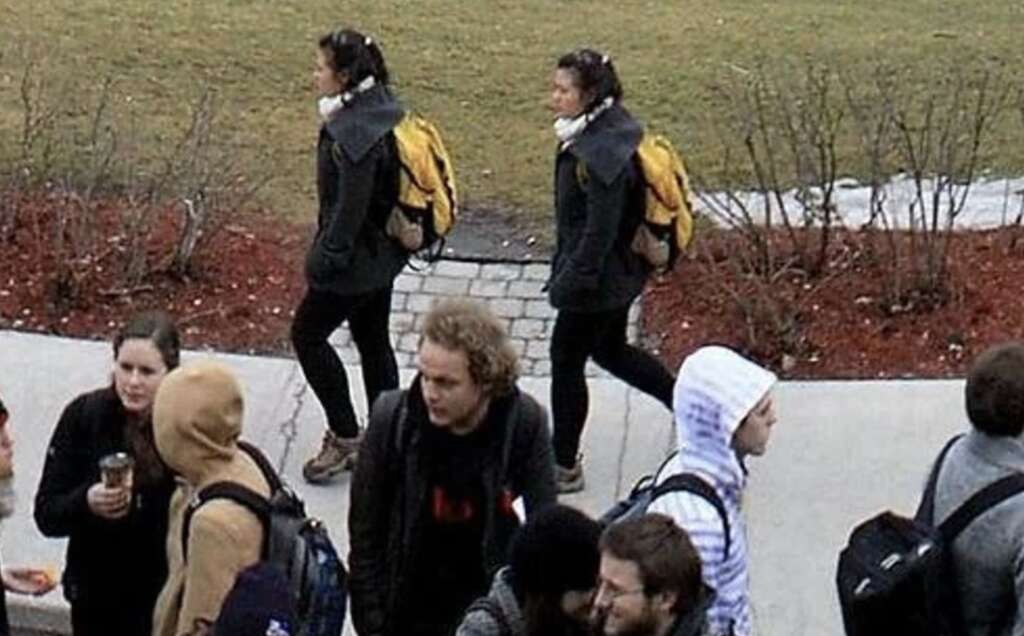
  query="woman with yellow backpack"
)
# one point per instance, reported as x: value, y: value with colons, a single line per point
x: 352, y: 263
x: 596, y: 273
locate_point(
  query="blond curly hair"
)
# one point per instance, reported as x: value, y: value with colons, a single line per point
x: 470, y: 327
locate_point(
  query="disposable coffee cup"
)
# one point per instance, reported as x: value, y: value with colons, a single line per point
x: 116, y: 470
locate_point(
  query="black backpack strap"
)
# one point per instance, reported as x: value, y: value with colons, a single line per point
x: 692, y: 483
x: 511, y: 422
x: 391, y: 406
x: 268, y: 470
x: 926, y: 510
x: 981, y: 501
x: 245, y: 497
x: 489, y: 606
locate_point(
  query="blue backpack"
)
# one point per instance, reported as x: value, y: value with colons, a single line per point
x: 296, y: 544
x: 647, y: 489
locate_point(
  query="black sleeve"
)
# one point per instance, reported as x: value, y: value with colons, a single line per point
x: 606, y: 203
x: 370, y: 503
x: 536, y: 477
x: 351, y: 207
x: 60, y: 504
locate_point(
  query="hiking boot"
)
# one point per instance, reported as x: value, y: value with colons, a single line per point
x: 569, y: 480
x: 336, y: 455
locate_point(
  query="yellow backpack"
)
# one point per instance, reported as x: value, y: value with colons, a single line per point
x: 427, y: 198
x: 668, y: 207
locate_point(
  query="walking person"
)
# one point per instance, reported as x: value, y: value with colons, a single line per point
x: 352, y: 263
x: 987, y: 554
x: 116, y: 561
x: 431, y: 508
x: 724, y: 415
x: 595, y: 275
x: 197, y: 421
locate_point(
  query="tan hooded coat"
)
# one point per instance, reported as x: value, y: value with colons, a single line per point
x: 197, y: 418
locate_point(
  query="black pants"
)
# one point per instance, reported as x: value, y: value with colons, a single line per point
x: 601, y: 336
x: 132, y: 616
x: 318, y: 315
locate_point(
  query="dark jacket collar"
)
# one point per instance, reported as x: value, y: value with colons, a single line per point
x: 608, y: 143
x: 361, y: 124
x: 693, y: 623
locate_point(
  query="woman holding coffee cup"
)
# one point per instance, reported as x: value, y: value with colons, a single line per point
x: 105, y: 488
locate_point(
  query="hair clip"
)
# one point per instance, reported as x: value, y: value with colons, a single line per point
x: 604, y: 59
x: 367, y: 40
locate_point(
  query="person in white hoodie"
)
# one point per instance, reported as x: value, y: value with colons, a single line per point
x: 724, y: 413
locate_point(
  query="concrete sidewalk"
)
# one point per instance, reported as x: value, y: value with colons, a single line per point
x: 842, y: 451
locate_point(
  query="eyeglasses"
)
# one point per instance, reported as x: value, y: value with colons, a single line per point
x: 606, y: 588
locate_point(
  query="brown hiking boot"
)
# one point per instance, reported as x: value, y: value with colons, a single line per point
x: 569, y: 480
x: 336, y: 455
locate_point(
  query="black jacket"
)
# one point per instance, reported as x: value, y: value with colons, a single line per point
x: 599, y: 203
x: 357, y: 182
x: 389, y: 493
x: 110, y: 563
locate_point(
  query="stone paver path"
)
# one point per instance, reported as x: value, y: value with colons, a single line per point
x: 513, y: 291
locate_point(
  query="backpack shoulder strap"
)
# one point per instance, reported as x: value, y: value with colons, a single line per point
x: 515, y: 412
x: 980, y: 502
x: 489, y: 606
x: 926, y: 509
x: 237, y: 493
x: 391, y: 407
x: 268, y: 470
x: 691, y: 483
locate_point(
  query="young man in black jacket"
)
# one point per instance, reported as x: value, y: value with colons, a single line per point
x: 431, y: 503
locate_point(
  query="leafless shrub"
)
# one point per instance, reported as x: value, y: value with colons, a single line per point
x: 935, y: 138
x: 84, y: 156
x: 780, y: 135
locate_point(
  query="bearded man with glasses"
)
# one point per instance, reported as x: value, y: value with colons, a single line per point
x: 649, y: 581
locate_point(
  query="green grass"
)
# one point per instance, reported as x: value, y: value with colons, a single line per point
x: 479, y: 68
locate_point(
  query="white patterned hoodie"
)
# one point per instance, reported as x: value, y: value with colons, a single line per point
x: 715, y: 390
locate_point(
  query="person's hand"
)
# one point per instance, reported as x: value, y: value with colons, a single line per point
x: 6, y: 450
x: 108, y: 503
x: 31, y: 581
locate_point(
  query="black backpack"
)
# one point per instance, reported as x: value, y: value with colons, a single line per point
x: 895, y: 575
x: 297, y: 544
x: 647, y: 489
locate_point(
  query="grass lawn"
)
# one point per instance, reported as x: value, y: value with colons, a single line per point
x: 480, y: 68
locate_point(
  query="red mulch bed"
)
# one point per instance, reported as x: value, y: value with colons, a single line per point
x: 239, y: 296
x: 247, y: 279
x: 845, y: 331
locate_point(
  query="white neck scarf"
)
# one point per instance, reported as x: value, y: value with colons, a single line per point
x: 328, y: 105
x: 568, y: 129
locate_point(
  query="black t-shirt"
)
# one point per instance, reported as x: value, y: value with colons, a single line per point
x: 449, y: 570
